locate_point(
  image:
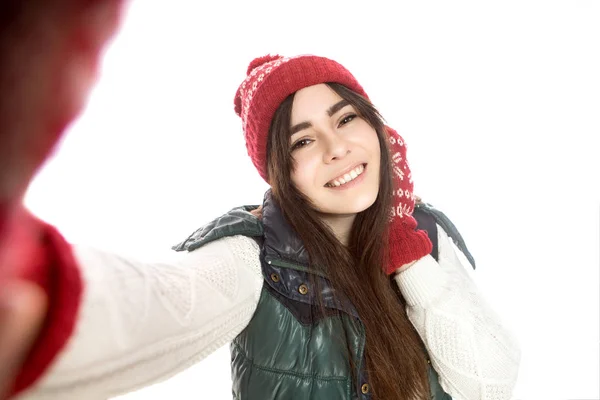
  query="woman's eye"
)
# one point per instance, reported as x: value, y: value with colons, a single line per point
x: 347, y: 119
x: 300, y: 143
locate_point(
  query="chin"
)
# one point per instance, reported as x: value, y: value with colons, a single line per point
x: 350, y: 205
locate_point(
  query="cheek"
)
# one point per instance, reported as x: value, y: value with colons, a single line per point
x: 375, y: 147
x: 305, y: 173
x: 375, y: 141
x: 369, y: 142
x: 377, y: 151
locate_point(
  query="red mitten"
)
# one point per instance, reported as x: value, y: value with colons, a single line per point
x: 406, y: 243
x: 34, y: 251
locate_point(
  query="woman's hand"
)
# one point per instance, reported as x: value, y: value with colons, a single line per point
x: 22, y: 310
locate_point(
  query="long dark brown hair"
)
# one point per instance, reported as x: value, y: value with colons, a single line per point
x: 396, y: 361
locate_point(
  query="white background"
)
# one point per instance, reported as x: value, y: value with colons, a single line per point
x: 499, y: 104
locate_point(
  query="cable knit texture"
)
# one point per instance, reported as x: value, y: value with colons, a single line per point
x: 155, y: 319
x: 475, y: 356
x: 158, y: 319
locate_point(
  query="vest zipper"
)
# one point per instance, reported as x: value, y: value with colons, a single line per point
x: 284, y: 264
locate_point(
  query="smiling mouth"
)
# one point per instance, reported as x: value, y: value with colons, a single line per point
x: 347, y: 177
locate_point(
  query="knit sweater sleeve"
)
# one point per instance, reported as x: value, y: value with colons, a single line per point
x: 476, y: 357
x: 141, y: 323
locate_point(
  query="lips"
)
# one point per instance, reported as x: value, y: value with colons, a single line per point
x: 348, y: 175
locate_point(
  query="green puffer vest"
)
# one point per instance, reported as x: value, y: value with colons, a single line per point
x: 290, y: 350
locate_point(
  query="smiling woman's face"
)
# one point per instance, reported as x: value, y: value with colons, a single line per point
x: 336, y: 152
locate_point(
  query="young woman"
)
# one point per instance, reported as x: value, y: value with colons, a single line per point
x: 322, y: 292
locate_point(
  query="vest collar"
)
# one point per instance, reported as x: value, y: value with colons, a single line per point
x: 285, y: 256
x: 282, y: 245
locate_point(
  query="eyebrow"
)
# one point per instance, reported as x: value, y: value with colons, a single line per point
x: 330, y: 111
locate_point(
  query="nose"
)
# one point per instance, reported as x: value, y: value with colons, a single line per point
x: 336, y: 147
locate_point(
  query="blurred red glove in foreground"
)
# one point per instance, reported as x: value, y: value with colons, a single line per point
x: 49, y: 55
x: 49, y: 52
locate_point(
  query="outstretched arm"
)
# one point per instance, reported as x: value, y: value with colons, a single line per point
x: 139, y: 323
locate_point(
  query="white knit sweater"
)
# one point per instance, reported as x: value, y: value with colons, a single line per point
x: 141, y: 323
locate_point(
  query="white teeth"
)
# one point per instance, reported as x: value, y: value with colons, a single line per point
x: 347, y: 177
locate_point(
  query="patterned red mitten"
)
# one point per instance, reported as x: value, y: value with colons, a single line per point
x: 406, y: 243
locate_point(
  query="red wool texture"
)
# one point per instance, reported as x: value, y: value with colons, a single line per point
x: 406, y: 243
